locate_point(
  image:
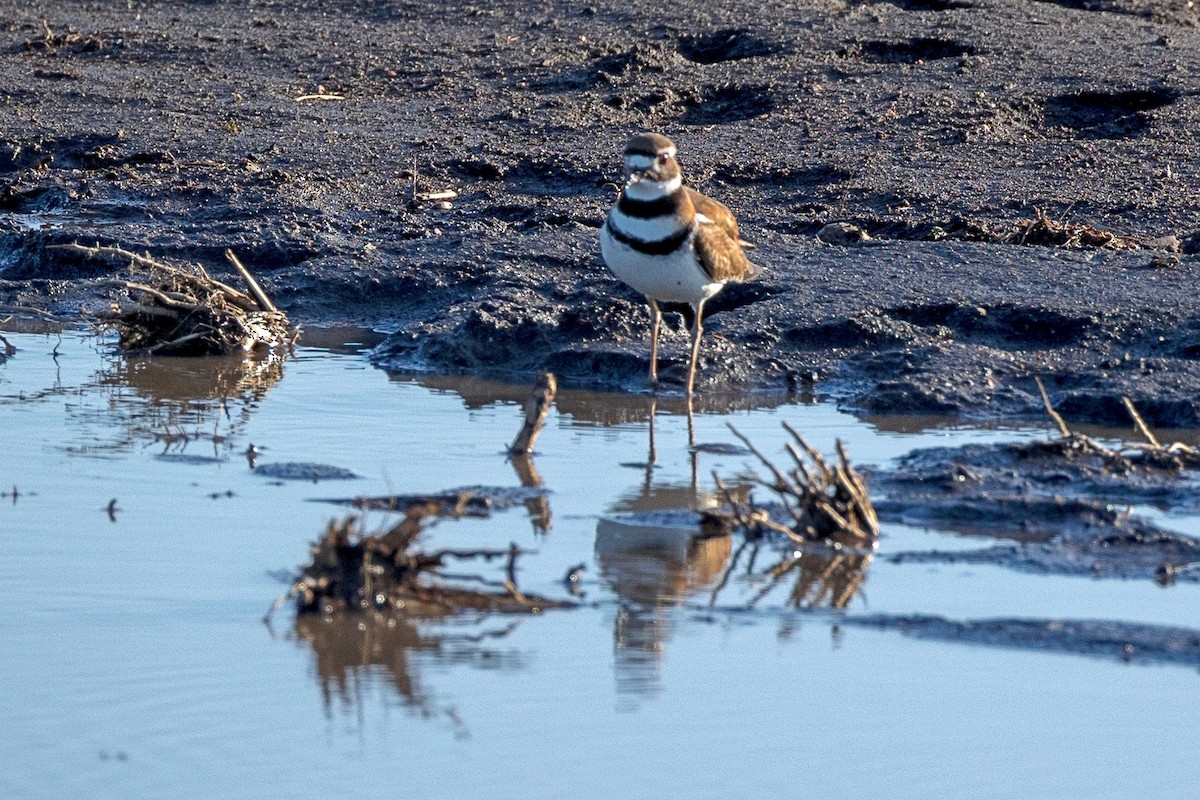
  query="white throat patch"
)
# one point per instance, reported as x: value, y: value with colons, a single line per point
x: 653, y: 190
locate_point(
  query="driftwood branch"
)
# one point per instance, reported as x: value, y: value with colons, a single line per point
x: 536, y: 408
x: 826, y: 503
x: 32, y: 312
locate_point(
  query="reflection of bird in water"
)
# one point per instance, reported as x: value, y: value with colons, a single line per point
x: 651, y: 569
x: 656, y: 558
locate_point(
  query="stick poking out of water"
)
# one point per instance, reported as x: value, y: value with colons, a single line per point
x: 536, y: 408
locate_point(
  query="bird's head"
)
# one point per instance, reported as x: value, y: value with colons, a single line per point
x: 651, y: 170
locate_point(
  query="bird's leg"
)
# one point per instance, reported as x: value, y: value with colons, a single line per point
x: 655, y: 324
x: 697, y: 329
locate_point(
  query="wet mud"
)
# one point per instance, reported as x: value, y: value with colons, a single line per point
x: 1063, y: 506
x: 306, y: 139
x: 1124, y: 641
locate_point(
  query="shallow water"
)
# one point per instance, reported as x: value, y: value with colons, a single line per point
x: 136, y: 663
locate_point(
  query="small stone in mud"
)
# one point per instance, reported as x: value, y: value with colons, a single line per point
x: 842, y: 234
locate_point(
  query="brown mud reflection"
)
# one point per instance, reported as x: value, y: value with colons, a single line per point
x: 352, y: 653
x: 598, y: 408
x: 141, y: 401
x: 538, y: 506
x: 177, y: 401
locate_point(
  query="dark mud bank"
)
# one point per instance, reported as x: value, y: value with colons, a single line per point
x: 298, y: 134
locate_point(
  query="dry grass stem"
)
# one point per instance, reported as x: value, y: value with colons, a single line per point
x: 1043, y: 230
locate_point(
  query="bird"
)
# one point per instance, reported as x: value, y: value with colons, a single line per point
x: 670, y: 242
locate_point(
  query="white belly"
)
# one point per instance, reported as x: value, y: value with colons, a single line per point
x: 674, y: 278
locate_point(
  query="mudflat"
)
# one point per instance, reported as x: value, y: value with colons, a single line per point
x: 950, y: 197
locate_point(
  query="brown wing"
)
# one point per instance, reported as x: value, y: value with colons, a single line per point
x: 722, y: 257
x: 719, y: 213
x: 717, y: 244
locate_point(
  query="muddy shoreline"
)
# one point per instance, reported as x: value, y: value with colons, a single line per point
x: 936, y: 127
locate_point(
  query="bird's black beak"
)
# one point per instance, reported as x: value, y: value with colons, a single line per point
x: 637, y: 175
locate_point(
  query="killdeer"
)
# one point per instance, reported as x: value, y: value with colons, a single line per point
x: 669, y: 242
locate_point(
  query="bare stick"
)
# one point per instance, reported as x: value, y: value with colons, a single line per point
x: 757, y: 518
x: 256, y: 291
x: 815, y: 455
x: 1140, y: 423
x: 157, y: 294
x: 102, y: 250
x: 486, y: 555
x: 1054, y: 415
x: 801, y: 470
x: 433, y: 197
x: 36, y: 312
x: 781, y: 481
x: 412, y: 202
x: 536, y: 408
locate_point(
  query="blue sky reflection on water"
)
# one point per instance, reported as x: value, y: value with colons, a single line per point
x: 136, y: 665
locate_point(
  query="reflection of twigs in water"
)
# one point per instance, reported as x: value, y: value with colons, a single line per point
x: 834, y: 576
x: 733, y: 562
x: 350, y: 648
x: 825, y: 576
x: 182, y: 392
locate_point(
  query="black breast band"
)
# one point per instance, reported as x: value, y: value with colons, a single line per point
x: 659, y: 247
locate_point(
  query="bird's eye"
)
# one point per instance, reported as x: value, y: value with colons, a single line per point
x: 664, y: 158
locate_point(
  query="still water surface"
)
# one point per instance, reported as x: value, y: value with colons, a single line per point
x: 135, y: 663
